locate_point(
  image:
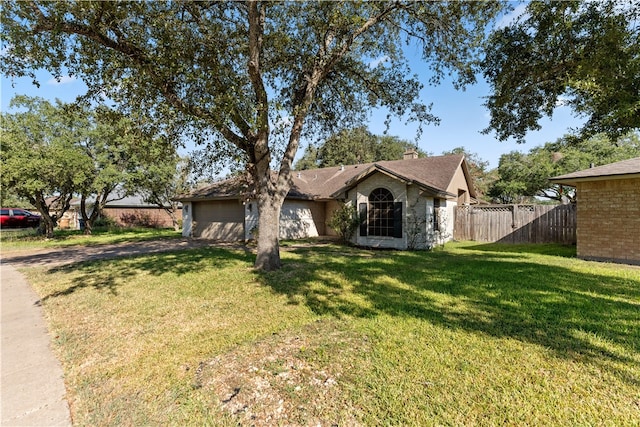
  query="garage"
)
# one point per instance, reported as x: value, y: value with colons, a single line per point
x: 219, y: 220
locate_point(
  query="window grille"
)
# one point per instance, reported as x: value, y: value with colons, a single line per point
x: 381, y: 213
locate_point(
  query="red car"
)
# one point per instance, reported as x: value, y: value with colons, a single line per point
x: 18, y: 218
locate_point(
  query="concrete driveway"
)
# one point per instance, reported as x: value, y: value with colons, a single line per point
x: 69, y: 255
x: 33, y: 390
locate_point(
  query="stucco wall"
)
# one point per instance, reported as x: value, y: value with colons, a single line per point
x: 330, y: 207
x: 608, y: 220
x: 187, y: 219
x: 460, y: 183
x: 298, y: 219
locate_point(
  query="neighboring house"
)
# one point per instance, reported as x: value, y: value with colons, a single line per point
x: 131, y: 211
x: 402, y: 203
x: 608, y: 211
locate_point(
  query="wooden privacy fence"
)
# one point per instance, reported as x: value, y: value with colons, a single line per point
x: 516, y: 223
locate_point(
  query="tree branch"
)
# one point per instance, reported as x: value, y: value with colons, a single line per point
x: 139, y: 57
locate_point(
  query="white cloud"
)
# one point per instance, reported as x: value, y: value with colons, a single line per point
x: 511, y: 17
x: 61, y: 80
x: 374, y: 63
x: 562, y: 101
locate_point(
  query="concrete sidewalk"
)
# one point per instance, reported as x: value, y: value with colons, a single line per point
x: 33, y: 392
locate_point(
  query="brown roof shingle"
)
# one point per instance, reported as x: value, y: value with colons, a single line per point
x: 619, y: 169
x: 434, y: 172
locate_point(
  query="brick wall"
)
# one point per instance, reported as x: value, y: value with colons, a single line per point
x: 608, y: 223
x: 158, y: 217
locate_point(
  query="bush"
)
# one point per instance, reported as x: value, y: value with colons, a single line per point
x: 138, y: 219
x: 344, y: 221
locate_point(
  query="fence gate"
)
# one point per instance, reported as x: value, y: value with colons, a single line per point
x: 516, y: 223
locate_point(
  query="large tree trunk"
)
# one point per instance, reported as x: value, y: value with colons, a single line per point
x: 87, y: 222
x: 268, y: 250
x: 48, y: 222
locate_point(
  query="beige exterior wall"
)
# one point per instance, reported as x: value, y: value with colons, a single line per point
x: 300, y: 219
x: 329, y: 208
x: 459, y: 186
x: 187, y: 219
x: 608, y: 220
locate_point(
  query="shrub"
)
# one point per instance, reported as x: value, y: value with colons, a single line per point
x: 344, y: 221
x: 138, y: 219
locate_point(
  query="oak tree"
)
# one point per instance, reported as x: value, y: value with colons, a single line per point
x: 524, y: 176
x: 250, y: 77
x: 41, y: 160
x: 352, y: 147
x: 583, y: 54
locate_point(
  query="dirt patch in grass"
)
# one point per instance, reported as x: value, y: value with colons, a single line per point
x: 293, y: 378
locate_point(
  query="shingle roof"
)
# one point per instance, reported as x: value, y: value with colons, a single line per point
x: 621, y: 169
x: 434, y: 173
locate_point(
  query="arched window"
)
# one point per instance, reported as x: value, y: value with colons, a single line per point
x: 381, y: 213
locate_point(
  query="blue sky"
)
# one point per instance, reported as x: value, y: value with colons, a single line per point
x: 461, y: 113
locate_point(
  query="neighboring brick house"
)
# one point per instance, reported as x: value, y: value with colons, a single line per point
x: 608, y: 211
x: 133, y: 210
x: 130, y: 211
x: 402, y: 204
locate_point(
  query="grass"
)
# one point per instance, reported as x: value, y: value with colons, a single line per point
x: 469, y: 335
x: 28, y: 239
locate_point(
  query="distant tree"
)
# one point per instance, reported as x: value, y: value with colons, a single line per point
x: 121, y: 152
x: 41, y: 160
x: 523, y: 176
x: 478, y: 168
x: 584, y: 54
x: 352, y: 147
x: 163, y: 181
x: 51, y: 153
x: 251, y: 76
x: 309, y: 159
x: 10, y: 199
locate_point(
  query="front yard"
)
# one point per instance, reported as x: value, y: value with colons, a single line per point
x: 469, y: 335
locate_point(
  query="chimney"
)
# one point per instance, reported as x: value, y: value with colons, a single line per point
x: 411, y: 153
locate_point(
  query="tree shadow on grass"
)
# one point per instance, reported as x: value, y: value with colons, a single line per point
x: 586, y: 317
x: 108, y: 274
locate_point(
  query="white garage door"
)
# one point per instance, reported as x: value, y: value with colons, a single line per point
x: 219, y: 220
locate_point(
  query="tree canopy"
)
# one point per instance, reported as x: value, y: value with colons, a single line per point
x: 41, y: 157
x: 352, y: 147
x: 584, y: 54
x: 126, y: 158
x: 51, y: 153
x: 248, y: 78
x: 523, y: 176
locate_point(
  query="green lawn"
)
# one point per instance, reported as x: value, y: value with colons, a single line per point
x: 28, y: 238
x: 469, y: 335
